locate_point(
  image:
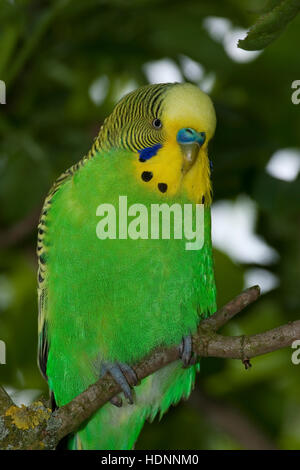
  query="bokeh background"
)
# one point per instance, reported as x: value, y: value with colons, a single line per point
x: 65, y: 64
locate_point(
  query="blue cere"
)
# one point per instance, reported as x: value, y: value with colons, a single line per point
x: 149, y: 152
x: 187, y: 135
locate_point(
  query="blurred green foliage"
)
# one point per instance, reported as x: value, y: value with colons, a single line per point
x: 51, y: 55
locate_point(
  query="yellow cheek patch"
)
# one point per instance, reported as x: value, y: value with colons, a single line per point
x: 163, y: 174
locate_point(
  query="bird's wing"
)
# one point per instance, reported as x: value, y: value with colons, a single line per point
x: 43, y: 341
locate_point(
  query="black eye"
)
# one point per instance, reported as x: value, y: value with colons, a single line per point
x: 156, y: 123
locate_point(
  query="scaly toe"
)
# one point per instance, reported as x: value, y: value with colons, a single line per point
x: 117, y: 371
x: 116, y: 401
x: 186, y: 352
x: 129, y: 374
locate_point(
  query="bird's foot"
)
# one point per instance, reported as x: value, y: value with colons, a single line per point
x: 125, y: 376
x: 186, y: 352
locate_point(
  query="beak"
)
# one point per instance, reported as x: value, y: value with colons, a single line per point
x: 190, y: 142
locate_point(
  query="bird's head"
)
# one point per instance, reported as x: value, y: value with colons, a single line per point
x: 167, y: 127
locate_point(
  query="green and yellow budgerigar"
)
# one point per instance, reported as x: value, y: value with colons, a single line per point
x: 108, y: 299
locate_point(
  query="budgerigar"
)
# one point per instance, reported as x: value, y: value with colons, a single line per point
x: 107, y: 300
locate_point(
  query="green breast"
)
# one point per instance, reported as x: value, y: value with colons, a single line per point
x: 115, y: 299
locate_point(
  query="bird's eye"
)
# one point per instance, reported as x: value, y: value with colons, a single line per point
x: 156, y: 123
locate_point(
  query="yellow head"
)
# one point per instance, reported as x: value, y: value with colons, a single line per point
x: 168, y: 127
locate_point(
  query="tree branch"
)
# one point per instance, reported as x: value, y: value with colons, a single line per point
x: 236, y: 305
x: 5, y: 401
x: 51, y: 428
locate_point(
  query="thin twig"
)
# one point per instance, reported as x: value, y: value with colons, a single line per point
x: 236, y: 305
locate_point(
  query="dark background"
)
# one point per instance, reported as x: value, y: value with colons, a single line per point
x: 65, y: 64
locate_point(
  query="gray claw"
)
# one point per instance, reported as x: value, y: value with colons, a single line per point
x: 129, y: 374
x: 116, y: 401
x: 186, y: 351
x: 118, y: 370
